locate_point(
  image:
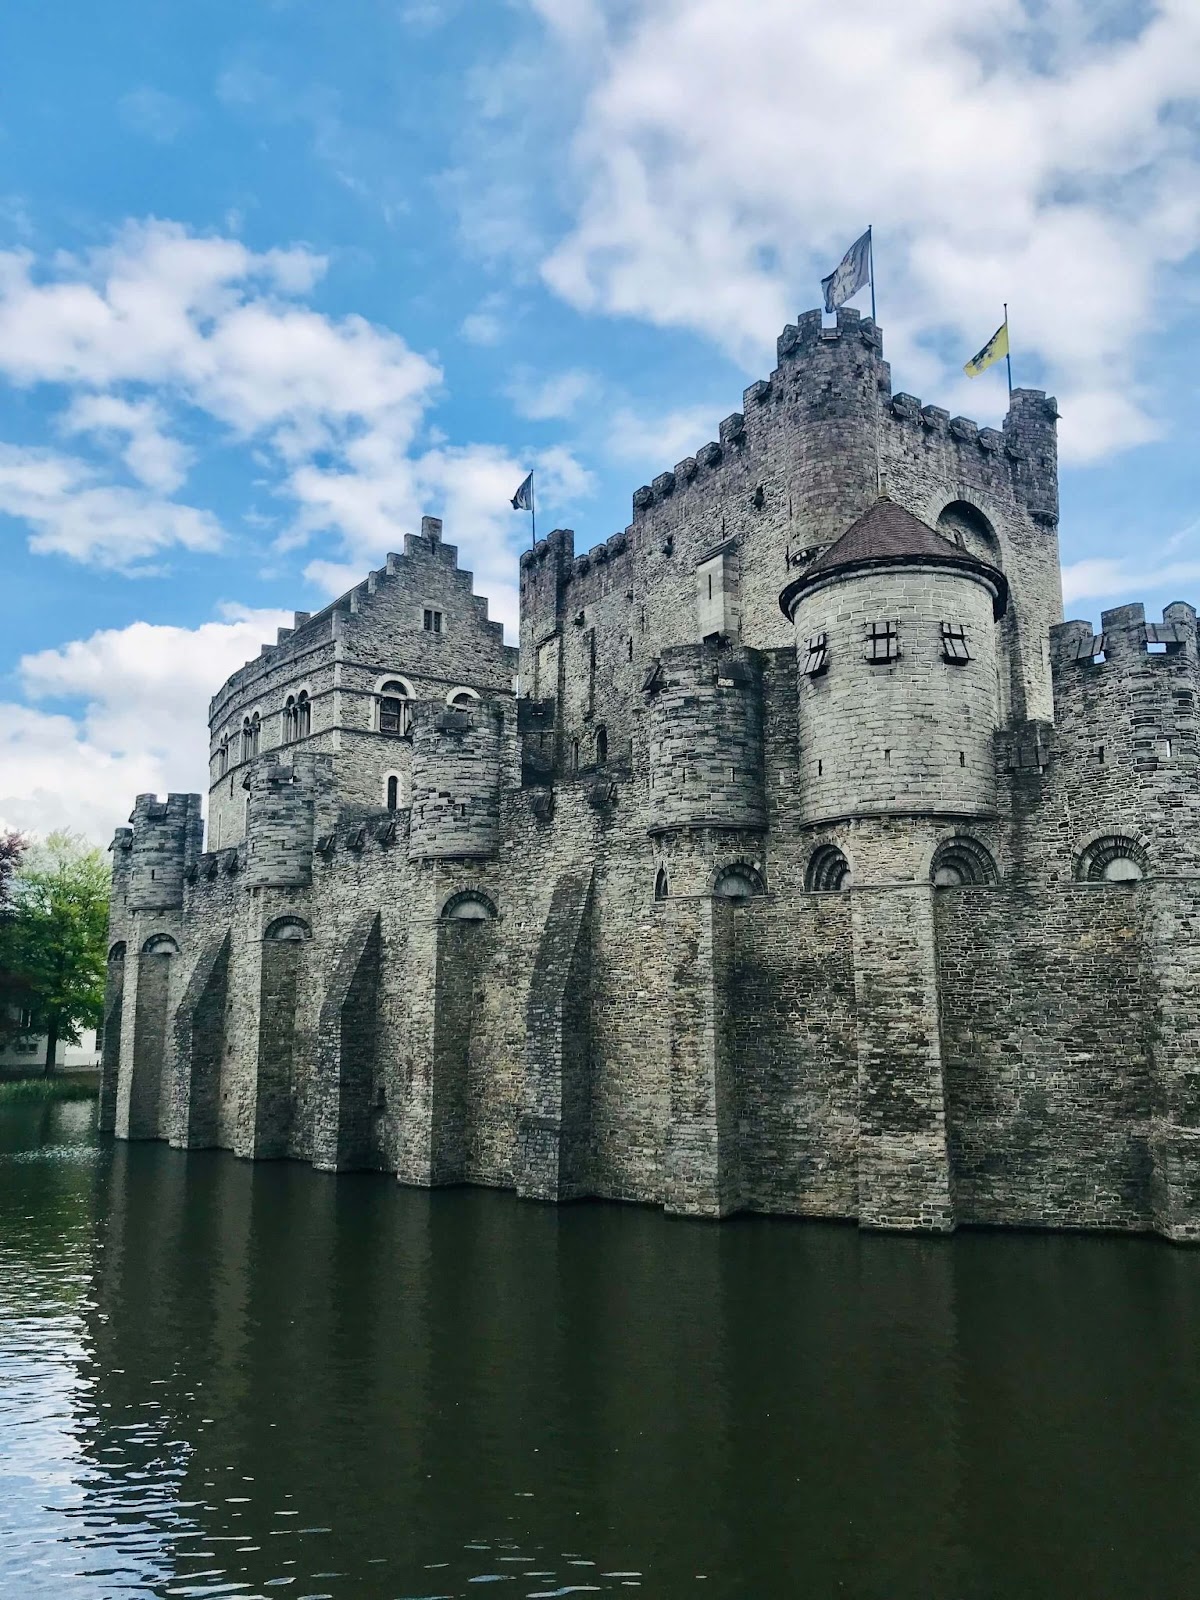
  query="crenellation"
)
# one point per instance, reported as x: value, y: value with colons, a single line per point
x: 815, y: 868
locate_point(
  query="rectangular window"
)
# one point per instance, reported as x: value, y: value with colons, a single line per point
x: 883, y: 641
x: 954, y: 642
x: 817, y: 658
x: 433, y: 621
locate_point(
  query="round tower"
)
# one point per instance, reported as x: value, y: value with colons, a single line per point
x: 455, y: 782
x: 284, y: 792
x: 897, y: 659
x: 166, y: 839
x: 706, y: 740
x: 831, y: 379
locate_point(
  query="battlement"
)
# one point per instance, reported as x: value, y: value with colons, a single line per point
x: 165, y: 839
x: 1126, y: 639
x: 291, y: 797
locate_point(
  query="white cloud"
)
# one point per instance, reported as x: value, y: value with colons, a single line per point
x: 121, y: 713
x: 482, y: 327
x: 71, y: 511
x: 1105, y: 578
x: 138, y: 427
x: 1045, y: 155
x: 163, y: 329
x: 657, y: 441
x: 555, y: 396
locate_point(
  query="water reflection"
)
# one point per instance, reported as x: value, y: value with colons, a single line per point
x: 225, y: 1378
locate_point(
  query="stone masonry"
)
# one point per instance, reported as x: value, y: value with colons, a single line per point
x: 800, y: 861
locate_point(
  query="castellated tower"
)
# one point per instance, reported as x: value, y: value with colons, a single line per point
x: 897, y: 654
x: 706, y: 741
x: 456, y: 782
x: 287, y: 792
x: 166, y: 840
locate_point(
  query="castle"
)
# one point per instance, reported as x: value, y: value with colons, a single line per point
x: 801, y: 860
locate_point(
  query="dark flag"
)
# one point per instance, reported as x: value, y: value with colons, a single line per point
x: 523, y: 499
x: 851, y: 273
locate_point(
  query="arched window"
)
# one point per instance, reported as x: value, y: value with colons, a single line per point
x: 966, y: 526
x: 601, y: 745
x: 288, y: 930
x: 961, y: 861
x: 661, y: 886
x: 393, y: 792
x: 574, y: 755
x: 290, y: 726
x: 247, y: 739
x: 303, y: 715
x: 223, y: 757
x: 1115, y: 858
x: 395, y: 708
x: 828, y: 869
x: 117, y: 953
x: 462, y: 698
x: 160, y: 944
x: 469, y: 906
x: 739, y: 882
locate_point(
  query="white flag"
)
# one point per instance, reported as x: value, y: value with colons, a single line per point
x: 849, y: 276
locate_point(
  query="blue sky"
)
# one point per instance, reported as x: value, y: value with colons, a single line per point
x: 278, y: 276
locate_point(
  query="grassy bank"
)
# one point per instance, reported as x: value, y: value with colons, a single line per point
x: 19, y: 1091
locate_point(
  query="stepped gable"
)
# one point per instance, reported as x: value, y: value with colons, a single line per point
x: 888, y: 535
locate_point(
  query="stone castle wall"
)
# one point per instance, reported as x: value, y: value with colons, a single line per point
x: 589, y: 952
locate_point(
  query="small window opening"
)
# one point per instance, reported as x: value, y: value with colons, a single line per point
x: 887, y: 756
x: 817, y: 658
x: 303, y: 715
x: 574, y: 755
x: 820, y: 769
x: 601, y: 744
x: 395, y: 712
x: 954, y: 643
x: 883, y: 641
x: 393, y: 793
x: 630, y: 647
x: 962, y: 758
x: 661, y: 886
x: 433, y: 621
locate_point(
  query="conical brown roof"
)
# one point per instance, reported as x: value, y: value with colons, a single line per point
x: 887, y: 535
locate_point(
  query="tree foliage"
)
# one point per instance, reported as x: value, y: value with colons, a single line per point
x: 12, y: 847
x: 53, y: 937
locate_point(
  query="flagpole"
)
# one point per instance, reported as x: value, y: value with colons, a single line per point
x: 871, y: 258
x: 1008, y: 351
x: 533, y: 510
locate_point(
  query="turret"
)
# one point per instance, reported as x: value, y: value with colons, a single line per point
x: 286, y: 795
x: 455, y: 782
x: 706, y: 742
x: 896, y: 656
x: 167, y: 837
x: 836, y: 375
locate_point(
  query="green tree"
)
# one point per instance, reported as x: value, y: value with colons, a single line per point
x: 53, y: 939
x: 12, y: 988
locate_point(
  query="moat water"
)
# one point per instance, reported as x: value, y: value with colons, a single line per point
x: 226, y: 1379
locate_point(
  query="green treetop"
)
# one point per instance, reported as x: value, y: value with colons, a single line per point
x: 53, y: 938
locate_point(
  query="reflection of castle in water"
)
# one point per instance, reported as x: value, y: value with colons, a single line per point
x: 451, y: 1378
x: 817, y: 868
